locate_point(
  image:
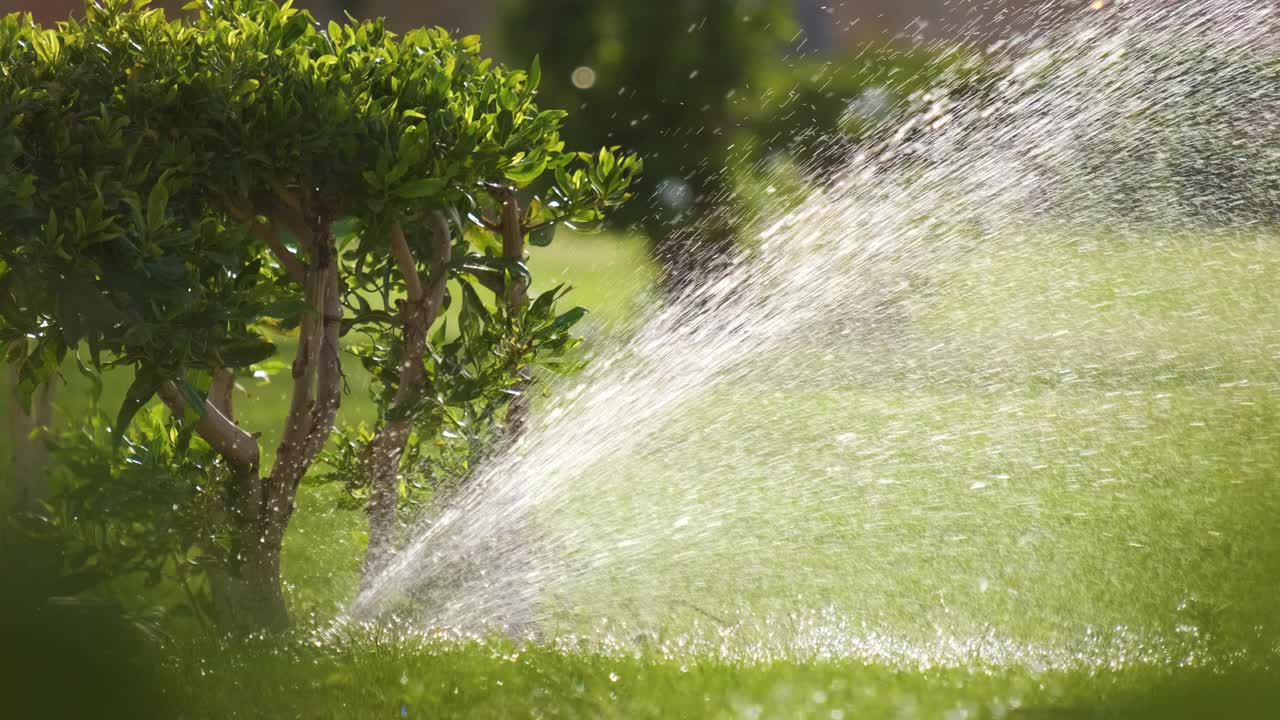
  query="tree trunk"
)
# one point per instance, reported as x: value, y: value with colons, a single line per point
x: 382, y: 468
x: 510, y: 577
x: 244, y: 579
x: 517, y: 297
x: 246, y: 591
x: 518, y: 409
x: 382, y: 463
x: 30, y: 461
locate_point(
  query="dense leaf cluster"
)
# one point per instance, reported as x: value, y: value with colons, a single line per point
x: 132, y: 147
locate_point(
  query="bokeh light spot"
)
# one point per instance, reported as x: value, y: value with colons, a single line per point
x: 583, y: 77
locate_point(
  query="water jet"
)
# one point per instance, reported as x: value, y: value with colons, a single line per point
x: 1056, y: 456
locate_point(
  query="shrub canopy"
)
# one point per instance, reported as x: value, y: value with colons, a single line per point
x: 134, y: 151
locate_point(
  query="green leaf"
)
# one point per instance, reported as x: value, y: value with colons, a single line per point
x: 508, y: 100
x: 527, y: 171
x: 145, y: 383
x: 562, y: 367
x: 517, y: 268
x: 246, y: 352
x: 40, y: 366
x: 535, y: 73
x: 421, y: 188
x: 157, y: 201
x: 473, y: 314
x: 441, y: 332
x: 542, y: 237
x: 193, y: 398
x: 294, y: 29
x: 566, y: 320
x: 245, y: 87
x: 541, y: 307
x: 93, y: 376
x: 606, y: 163
x: 16, y: 319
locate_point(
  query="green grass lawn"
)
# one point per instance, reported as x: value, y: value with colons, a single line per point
x: 368, y: 677
x: 1050, y: 489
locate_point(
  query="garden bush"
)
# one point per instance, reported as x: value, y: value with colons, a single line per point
x: 177, y: 195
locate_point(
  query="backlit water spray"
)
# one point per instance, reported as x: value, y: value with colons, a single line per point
x: 933, y: 413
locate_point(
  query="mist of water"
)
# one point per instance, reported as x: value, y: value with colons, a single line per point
x: 780, y: 456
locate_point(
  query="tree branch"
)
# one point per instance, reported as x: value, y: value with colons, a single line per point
x: 513, y: 247
x: 517, y: 296
x: 423, y: 305
x: 328, y: 393
x: 290, y: 262
x: 441, y: 251
x: 404, y: 259
x: 269, y: 235
x: 298, y: 421
x: 287, y: 198
x: 224, y: 382
x: 317, y: 378
x: 288, y: 215
x: 229, y: 440
x: 418, y: 313
x: 239, y: 210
